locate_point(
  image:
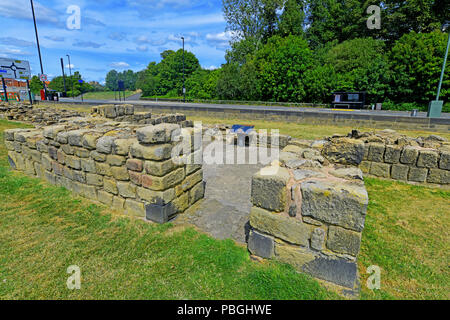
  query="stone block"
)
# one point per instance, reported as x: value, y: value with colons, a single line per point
x: 88, y: 165
x: 159, y: 168
x: 318, y: 239
x: 428, y: 159
x: 409, y: 155
x: 261, y: 245
x: 301, y: 174
x: 352, y: 173
x: 343, y: 241
x: 160, y: 213
x: 135, y: 165
x: 392, y: 154
x: 438, y: 176
x: 345, y: 151
x: 380, y: 169
x: 75, y: 137
x: 115, y: 160
x: 135, y: 177
x: 365, y: 166
x: 73, y: 162
x: 376, y: 152
x: 89, y: 140
x: 103, y: 169
x: 104, y: 144
x: 118, y: 203
x: 126, y: 189
x: 122, y: 146
x: 110, y: 185
x: 277, y: 225
x: 152, y: 196
x: 417, y: 174
x: 181, y: 203
x: 399, y: 172
x: 196, y: 193
x: 105, y: 197
x: 152, y: 152
x: 269, y: 190
x: 160, y: 133
x: 337, y: 203
x: 444, y: 162
x: 120, y: 173
x: 192, y: 180
x: 99, y: 157
x: 94, y: 179
x: 165, y: 182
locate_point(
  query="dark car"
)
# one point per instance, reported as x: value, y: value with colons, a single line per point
x: 349, y: 100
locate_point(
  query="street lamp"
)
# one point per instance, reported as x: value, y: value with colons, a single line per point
x: 184, y: 89
x: 70, y: 72
x: 435, y: 107
x: 38, y: 47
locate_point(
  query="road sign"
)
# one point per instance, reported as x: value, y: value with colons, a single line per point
x: 80, y: 81
x: 121, y: 85
x: 14, y: 69
x: 43, y: 77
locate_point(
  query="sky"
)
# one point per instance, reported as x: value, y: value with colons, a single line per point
x: 112, y: 34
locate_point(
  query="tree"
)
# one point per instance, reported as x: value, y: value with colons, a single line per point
x: 281, y: 65
x: 416, y: 61
x: 111, y: 80
x: 36, y: 85
x: 360, y: 65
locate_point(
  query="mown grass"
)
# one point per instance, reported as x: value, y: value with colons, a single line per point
x: 106, y: 95
x: 44, y: 229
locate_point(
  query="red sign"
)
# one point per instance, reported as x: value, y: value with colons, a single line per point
x: 42, y: 94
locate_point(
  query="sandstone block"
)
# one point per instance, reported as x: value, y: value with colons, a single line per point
x: 126, y: 189
x: 438, y: 176
x: 409, y: 155
x: 152, y: 152
x: 376, y: 152
x: 392, y: 154
x: 165, y: 182
x: 345, y: 151
x: 269, y: 190
x: 261, y: 245
x: 417, y: 174
x: 399, y: 172
x: 120, y: 173
x: 343, y: 241
x: 428, y: 159
x: 380, y: 169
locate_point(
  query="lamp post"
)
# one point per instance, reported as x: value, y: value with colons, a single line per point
x: 184, y: 89
x: 435, y: 107
x: 38, y: 47
x: 70, y: 72
x: 64, y: 76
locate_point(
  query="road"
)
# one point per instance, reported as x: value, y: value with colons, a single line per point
x: 189, y: 105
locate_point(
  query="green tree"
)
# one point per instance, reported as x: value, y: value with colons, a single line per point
x: 281, y: 65
x: 416, y: 61
x: 360, y: 65
x: 36, y: 85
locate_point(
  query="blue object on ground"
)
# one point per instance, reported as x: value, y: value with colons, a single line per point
x: 240, y: 128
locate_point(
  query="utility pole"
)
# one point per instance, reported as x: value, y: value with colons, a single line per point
x: 64, y: 76
x: 184, y: 89
x: 38, y: 47
x: 70, y: 72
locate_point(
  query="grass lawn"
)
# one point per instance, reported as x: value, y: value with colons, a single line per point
x: 106, y: 95
x: 44, y: 229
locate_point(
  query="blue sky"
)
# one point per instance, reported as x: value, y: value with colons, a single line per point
x: 114, y: 34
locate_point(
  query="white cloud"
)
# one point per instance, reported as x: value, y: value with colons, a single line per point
x: 22, y: 9
x: 220, y: 40
x: 119, y: 65
x: 142, y: 48
x: 212, y: 67
x: 72, y: 66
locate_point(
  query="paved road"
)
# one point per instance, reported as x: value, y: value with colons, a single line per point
x: 259, y: 108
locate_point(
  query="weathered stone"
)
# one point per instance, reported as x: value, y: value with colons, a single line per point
x: 152, y: 152
x: 261, y: 245
x: 181, y: 203
x: 104, y: 144
x: 160, y: 212
x: 399, y: 172
x: 75, y: 137
x: 89, y: 140
x: 118, y: 203
x: 409, y: 155
x: 87, y: 165
x: 301, y: 174
x: 317, y: 239
x: 126, y: 189
x: 153, y: 196
x: 348, y: 173
x: 159, y: 168
x: 94, y: 179
x: 99, y: 157
x: 105, y: 197
x: 365, y: 166
x: 438, y: 176
x: 79, y: 176
x: 296, y: 257
x: 53, y: 153
x: 103, y: 169
x: 68, y: 149
x: 335, y: 203
x: 135, y: 177
x: 417, y: 174
x: 46, y: 162
x: 114, y: 160
x: 110, y: 185
x: 376, y: 152
x: 82, y: 153
x: 302, y: 163
x: 293, y: 210
x: 73, y: 162
x: 135, y: 165
x: 428, y: 159
x: 269, y: 189
x: 344, y: 150
x: 444, y: 163
x: 192, y: 180
x: 122, y: 146
x: 196, y: 193
x: 379, y: 169
x: 160, y: 133
x: 165, y: 182
x: 120, y: 173
x: 343, y: 241
x: 392, y: 154
x: 294, y: 149
x: 285, y: 228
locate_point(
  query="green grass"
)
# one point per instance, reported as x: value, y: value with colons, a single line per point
x: 106, y: 95
x: 44, y: 229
